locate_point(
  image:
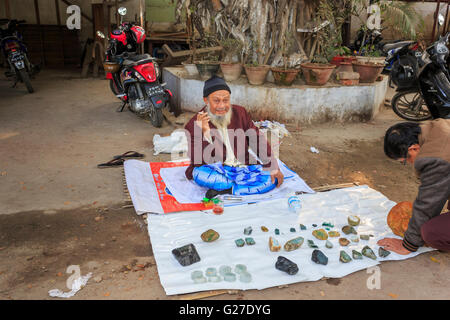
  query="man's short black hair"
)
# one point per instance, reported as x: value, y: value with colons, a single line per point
x: 399, y: 138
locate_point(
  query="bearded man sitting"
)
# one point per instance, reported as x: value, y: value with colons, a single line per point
x: 219, y: 138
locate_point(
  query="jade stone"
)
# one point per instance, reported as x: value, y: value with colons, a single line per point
x: 348, y: 230
x: 353, y: 220
x: 314, y: 225
x: 293, y: 244
x: 356, y: 255
x: 302, y: 227
x: 366, y: 251
x: 319, y: 258
x: 274, y: 245
x: 239, y: 242
x: 239, y: 268
x: 224, y: 269
x: 328, y: 244
x: 211, y: 272
x: 200, y: 280
x: 354, y: 239
x: 344, y: 257
x: 364, y: 237
x: 248, y: 231
x: 328, y: 229
x: 245, y: 277
x: 277, y: 232
x: 230, y: 277
x: 186, y: 255
x: 196, y: 274
x: 383, y: 253
x: 214, y: 279
x: 311, y: 244
x: 250, y: 241
x: 328, y: 224
x: 320, y: 234
x: 292, y: 229
x: 286, y: 265
x: 334, y: 234
x: 210, y: 235
x: 344, y: 242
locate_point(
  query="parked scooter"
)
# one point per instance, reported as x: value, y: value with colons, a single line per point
x: 391, y: 50
x: 15, y: 54
x: 425, y: 93
x: 134, y: 78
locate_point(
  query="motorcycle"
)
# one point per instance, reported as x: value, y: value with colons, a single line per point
x: 134, y: 78
x: 15, y: 54
x: 423, y: 90
x: 391, y: 50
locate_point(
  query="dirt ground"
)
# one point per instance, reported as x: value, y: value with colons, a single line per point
x: 57, y: 209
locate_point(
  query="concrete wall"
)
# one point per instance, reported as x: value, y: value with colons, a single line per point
x: 304, y: 104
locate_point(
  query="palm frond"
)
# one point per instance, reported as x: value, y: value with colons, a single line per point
x: 402, y: 18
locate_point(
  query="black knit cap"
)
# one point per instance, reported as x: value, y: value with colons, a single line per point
x: 213, y: 84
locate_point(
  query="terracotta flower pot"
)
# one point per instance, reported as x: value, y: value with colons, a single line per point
x: 317, y: 74
x: 345, y: 66
x: 207, y: 69
x: 257, y: 75
x: 365, y: 59
x: 368, y: 72
x: 284, y: 77
x: 231, y: 71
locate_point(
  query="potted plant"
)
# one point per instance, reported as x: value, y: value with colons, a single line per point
x: 209, y: 65
x: 343, y: 59
x: 231, y: 66
x: 284, y: 75
x: 256, y: 71
x: 368, y: 67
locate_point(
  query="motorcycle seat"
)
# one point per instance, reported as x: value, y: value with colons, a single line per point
x: 390, y: 46
x: 137, y: 60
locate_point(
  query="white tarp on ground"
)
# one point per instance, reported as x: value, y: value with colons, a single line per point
x: 175, y: 230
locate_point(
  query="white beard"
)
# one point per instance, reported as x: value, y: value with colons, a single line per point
x: 220, y: 121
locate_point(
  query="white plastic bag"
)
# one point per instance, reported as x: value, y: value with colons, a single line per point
x: 175, y: 143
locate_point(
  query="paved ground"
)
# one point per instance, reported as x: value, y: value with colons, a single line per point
x: 57, y: 209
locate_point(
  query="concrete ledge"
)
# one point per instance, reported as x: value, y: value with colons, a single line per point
x: 298, y: 103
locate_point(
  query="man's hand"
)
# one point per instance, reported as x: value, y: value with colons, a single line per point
x: 276, y: 174
x: 393, y: 244
x: 202, y: 121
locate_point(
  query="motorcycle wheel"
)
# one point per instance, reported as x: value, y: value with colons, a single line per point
x: 410, y: 105
x: 115, y: 90
x: 156, y: 117
x: 26, y: 79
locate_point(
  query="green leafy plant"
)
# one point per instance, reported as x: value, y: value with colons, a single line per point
x: 231, y: 47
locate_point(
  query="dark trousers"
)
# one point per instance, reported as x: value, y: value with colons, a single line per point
x: 436, y: 232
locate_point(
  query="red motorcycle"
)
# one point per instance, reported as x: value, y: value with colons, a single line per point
x: 134, y: 78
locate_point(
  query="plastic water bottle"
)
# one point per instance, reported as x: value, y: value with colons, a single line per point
x: 294, y: 204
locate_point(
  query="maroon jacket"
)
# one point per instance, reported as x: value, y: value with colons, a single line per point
x: 240, y: 119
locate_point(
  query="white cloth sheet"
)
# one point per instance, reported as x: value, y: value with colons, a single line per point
x: 175, y: 230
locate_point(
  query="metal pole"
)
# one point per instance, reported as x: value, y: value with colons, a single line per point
x: 141, y: 12
x: 435, y: 19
